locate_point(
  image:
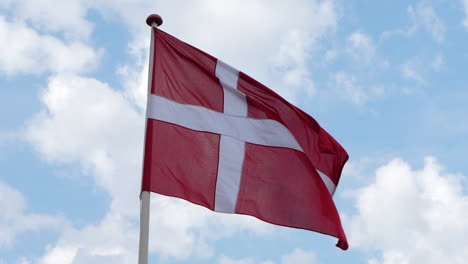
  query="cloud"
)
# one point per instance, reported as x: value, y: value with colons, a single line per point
x: 352, y: 85
x: 26, y: 51
x: 134, y: 79
x: 412, y: 216
x: 425, y: 16
x: 178, y: 230
x: 419, y: 68
x: 330, y: 55
x: 59, y: 255
x: 347, y: 87
x: 86, y: 121
x: 291, y: 62
x: 227, y: 260
x: 5, y: 3
x: 15, y: 220
x: 412, y: 69
x: 183, y: 230
x: 361, y: 47
x: 297, y: 256
x: 50, y: 16
x: 408, y: 32
x: 113, y: 240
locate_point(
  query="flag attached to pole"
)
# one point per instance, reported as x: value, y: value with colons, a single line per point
x: 220, y: 139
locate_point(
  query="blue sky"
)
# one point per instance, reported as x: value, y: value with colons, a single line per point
x: 387, y: 79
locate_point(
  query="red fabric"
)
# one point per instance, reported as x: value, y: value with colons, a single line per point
x: 185, y: 74
x: 278, y: 185
x: 281, y: 186
x: 181, y: 162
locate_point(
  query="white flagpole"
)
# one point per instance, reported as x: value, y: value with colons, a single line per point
x: 144, y: 228
x: 152, y: 21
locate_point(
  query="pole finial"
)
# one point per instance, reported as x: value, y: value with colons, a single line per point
x: 154, y: 19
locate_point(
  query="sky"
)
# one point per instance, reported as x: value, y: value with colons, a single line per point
x: 387, y: 79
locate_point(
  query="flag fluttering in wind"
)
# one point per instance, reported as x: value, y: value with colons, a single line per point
x: 220, y: 139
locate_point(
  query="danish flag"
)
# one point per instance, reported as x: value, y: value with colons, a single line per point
x: 220, y: 139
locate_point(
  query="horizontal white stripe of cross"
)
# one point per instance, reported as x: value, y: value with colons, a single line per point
x: 235, y: 129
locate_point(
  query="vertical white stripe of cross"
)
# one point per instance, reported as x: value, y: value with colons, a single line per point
x: 231, y: 150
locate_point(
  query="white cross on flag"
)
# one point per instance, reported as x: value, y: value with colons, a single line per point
x: 220, y: 139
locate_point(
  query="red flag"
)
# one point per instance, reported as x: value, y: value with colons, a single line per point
x: 220, y: 139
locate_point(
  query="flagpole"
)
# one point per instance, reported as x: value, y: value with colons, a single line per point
x: 152, y: 21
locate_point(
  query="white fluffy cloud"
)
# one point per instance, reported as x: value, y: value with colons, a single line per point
x: 113, y: 240
x: 178, y: 230
x: 15, y: 220
x: 297, y: 256
x: 291, y: 62
x: 182, y: 230
x: 412, y: 216
x: 86, y: 121
x: 66, y: 17
x: 24, y: 50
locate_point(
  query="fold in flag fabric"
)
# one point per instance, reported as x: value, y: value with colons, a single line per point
x: 220, y: 139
